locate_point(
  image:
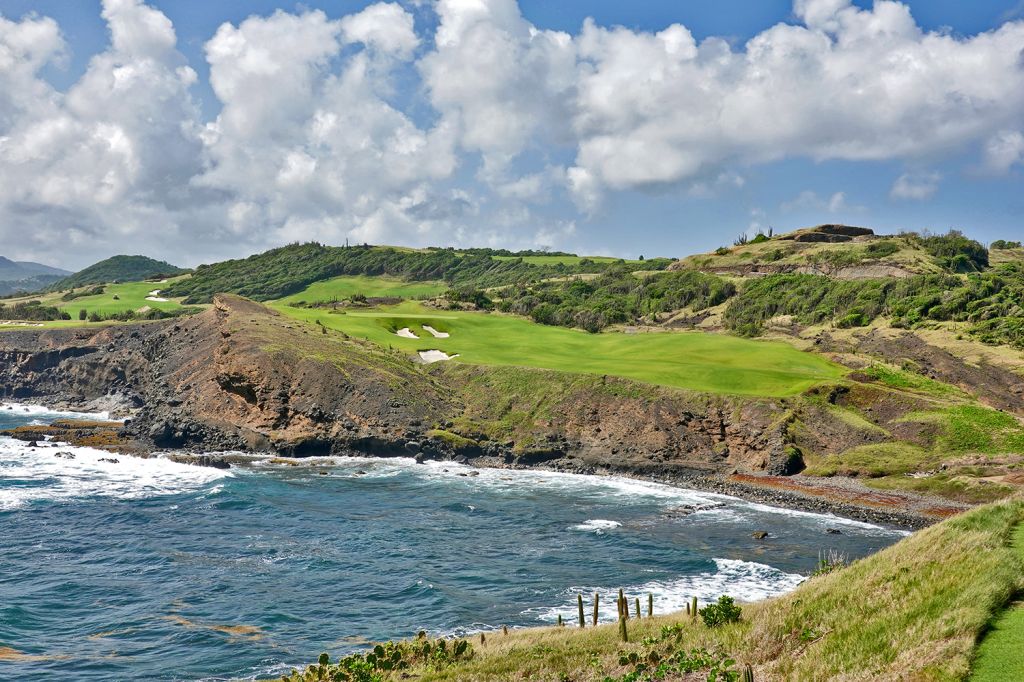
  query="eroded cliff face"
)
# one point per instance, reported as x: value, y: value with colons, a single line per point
x: 239, y: 376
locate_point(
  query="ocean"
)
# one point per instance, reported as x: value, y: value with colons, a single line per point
x: 146, y: 569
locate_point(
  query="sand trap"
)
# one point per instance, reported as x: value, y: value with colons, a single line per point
x: 153, y: 297
x: 406, y: 333
x: 429, y: 356
x: 437, y: 334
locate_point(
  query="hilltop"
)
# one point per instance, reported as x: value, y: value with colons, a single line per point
x: 118, y: 269
x: 18, y: 276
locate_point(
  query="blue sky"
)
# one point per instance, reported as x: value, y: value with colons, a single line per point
x: 560, y: 145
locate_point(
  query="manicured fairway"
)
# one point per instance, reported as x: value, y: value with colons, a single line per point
x: 699, y: 361
x: 344, y: 287
x: 130, y: 296
x: 1001, y: 652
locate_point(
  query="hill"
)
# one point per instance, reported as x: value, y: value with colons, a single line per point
x: 914, y: 611
x: 843, y: 252
x: 288, y: 270
x: 23, y: 276
x: 119, y: 269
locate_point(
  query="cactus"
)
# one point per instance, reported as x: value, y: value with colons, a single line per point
x: 650, y: 606
x: 483, y: 639
x: 579, y: 603
x: 622, y: 629
x: 638, y: 614
x: 597, y: 600
x: 504, y: 629
x: 623, y: 605
x: 559, y: 620
x: 748, y: 674
x: 693, y: 607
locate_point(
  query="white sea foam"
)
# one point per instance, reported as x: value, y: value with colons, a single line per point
x: 23, y: 409
x: 41, y: 475
x: 743, y: 580
x: 619, y: 489
x: 596, y: 525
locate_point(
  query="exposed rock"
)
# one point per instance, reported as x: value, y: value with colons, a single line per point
x: 759, y: 534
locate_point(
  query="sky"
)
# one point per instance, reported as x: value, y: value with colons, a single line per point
x: 195, y: 131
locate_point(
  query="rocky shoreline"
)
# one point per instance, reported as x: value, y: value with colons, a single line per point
x: 820, y: 496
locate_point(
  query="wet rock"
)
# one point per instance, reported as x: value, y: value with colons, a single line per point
x: 833, y: 531
x: 110, y: 460
x: 64, y: 455
x: 759, y: 534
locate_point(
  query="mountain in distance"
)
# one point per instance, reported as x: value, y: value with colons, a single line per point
x: 18, y: 276
x: 119, y: 269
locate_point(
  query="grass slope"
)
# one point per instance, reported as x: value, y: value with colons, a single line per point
x: 382, y: 286
x: 703, y: 362
x: 1001, y: 653
x: 913, y: 611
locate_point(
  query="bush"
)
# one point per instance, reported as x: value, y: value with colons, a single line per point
x: 955, y: 252
x: 1002, y: 244
x: 725, y: 611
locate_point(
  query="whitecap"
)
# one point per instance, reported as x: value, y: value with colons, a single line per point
x: 84, y: 475
x: 745, y: 581
x: 596, y: 525
x: 30, y: 410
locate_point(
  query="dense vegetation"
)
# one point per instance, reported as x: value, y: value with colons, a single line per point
x: 953, y: 250
x: 618, y: 296
x: 119, y: 269
x: 290, y: 269
x: 991, y: 302
x: 33, y: 311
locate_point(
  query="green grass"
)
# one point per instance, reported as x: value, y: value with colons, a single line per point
x: 1001, y: 653
x: 692, y: 360
x: 344, y: 287
x: 910, y: 381
x: 130, y: 296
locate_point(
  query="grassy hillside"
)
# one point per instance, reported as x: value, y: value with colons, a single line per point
x: 347, y: 286
x: 697, y: 361
x: 286, y: 271
x: 914, y: 611
x: 118, y: 269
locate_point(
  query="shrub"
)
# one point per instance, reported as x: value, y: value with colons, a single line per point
x: 720, y: 613
x: 1002, y: 244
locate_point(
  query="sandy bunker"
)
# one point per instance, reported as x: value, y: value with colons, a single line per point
x: 436, y: 334
x: 429, y: 356
x: 406, y: 333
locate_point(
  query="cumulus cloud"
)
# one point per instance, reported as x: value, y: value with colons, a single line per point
x: 359, y: 126
x: 1003, y: 150
x: 111, y: 156
x: 849, y: 84
x: 918, y: 186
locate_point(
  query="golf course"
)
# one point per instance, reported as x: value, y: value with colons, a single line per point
x: 693, y: 360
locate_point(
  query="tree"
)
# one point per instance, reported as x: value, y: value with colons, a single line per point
x: 83, y: 314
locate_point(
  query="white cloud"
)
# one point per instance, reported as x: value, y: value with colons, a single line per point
x: 314, y: 140
x: 850, y: 84
x: 918, y: 186
x: 1004, y: 149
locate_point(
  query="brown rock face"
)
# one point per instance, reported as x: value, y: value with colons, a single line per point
x: 239, y: 376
